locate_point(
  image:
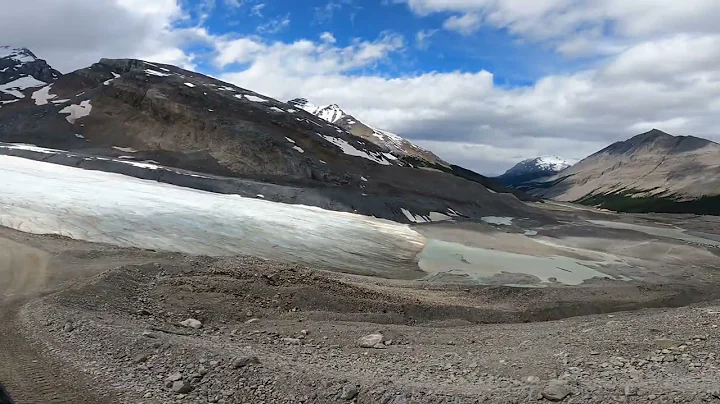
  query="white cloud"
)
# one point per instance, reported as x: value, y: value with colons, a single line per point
x: 567, y: 22
x: 275, y: 25
x: 465, y: 24
x: 303, y: 57
x: 328, y: 37
x: 256, y: 10
x: 108, y: 28
x: 423, y: 37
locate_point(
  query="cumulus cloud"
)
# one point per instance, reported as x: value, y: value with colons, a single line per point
x: 465, y: 24
x: 328, y: 37
x: 74, y: 34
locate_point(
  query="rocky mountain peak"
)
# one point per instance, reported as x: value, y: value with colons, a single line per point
x: 657, y: 141
x: 21, y: 70
x: 388, y: 142
x: 331, y: 113
x: 532, y: 169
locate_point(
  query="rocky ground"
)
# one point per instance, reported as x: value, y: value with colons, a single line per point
x: 138, y: 326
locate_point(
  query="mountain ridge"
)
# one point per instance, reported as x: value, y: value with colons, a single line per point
x: 390, y: 142
x: 646, y: 171
x: 158, y: 121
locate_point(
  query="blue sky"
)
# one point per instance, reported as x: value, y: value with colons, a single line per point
x: 430, y: 47
x: 492, y: 83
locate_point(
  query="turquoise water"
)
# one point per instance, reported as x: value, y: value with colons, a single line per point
x: 481, y: 264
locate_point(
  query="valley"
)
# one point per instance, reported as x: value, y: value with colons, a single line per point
x: 167, y: 237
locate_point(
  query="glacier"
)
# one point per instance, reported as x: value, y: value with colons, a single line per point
x: 44, y: 198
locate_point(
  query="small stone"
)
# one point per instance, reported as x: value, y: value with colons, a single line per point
x: 245, y: 361
x: 149, y: 334
x: 370, y: 340
x: 202, y: 371
x: 304, y: 332
x: 631, y: 390
x: 175, y: 377
x: 181, y: 387
x: 401, y: 399
x: 192, y: 323
x: 292, y: 341
x: 594, y: 353
x: 667, y: 343
x: 69, y: 327
x: 349, y: 392
x: 252, y: 320
x: 142, y: 358
x: 556, y: 391
x: 532, y: 379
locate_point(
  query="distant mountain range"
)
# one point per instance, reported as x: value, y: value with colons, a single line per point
x: 651, y: 172
x: 533, y: 169
x: 160, y: 122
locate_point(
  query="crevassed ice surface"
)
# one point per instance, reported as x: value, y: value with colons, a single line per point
x: 45, y: 198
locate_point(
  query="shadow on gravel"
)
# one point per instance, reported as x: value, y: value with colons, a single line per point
x: 4, y: 396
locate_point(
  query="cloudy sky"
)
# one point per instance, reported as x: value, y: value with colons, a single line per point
x: 483, y: 83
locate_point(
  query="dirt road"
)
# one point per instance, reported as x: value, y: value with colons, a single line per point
x: 27, y: 273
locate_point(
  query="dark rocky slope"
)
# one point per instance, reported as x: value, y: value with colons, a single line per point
x: 176, y: 118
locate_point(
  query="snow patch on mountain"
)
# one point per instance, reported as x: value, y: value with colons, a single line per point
x: 553, y: 163
x: 14, y: 87
x: 351, y: 150
x: 42, y: 96
x: 386, y: 140
x: 331, y: 113
x: 77, y: 111
x: 18, y: 54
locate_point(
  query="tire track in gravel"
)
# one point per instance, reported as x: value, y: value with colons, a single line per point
x: 29, y: 376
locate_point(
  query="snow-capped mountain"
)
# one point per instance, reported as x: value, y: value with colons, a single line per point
x: 20, y: 71
x: 389, y: 142
x: 533, y: 169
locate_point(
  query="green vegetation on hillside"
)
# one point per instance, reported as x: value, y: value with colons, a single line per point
x: 624, y: 202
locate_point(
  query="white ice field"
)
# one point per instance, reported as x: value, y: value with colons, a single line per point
x: 44, y: 198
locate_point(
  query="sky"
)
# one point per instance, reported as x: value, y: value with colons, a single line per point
x: 482, y: 83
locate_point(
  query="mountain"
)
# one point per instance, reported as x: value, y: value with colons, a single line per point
x: 164, y: 123
x: 388, y: 142
x: 532, y: 169
x: 20, y: 72
x: 651, y: 172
